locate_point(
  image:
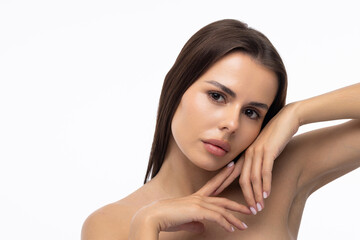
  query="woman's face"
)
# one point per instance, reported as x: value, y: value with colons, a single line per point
x: 227, y: 103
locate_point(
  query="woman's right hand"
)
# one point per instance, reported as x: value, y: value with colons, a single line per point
x: 185, y: 213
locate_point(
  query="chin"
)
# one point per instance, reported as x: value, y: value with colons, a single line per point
x: 209, y: 165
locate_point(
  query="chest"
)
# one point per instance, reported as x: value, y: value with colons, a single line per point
x: 257, y: 231
x: 280, y: 219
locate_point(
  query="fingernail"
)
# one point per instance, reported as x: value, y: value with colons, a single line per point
x: 232, y: 229
x: 265, y: 195
x: 253, y: 210
x: 230, y: 164
x: 245, y: 226
x: 259, y: 207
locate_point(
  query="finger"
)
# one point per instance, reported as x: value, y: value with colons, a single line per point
x: 245, y: 182
x: 267, y: 174
x: 209, y: 215
x: 235, y: 173
x: 256, y: 179
x: 211, y: 186
x: 219, y: 213
x: 228, y: 204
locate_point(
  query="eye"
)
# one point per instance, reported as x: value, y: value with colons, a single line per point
x: 217, y: 97
x: 252, y: 114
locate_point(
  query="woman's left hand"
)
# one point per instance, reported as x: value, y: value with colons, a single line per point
x: 255, y: 166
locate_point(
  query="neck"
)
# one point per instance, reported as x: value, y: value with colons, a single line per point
x: 178, y: 176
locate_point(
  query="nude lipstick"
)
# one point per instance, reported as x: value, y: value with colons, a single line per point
x: 216, y: 147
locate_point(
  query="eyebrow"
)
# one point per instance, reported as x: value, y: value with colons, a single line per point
x: 232, y: 94
x: 259, y: 105
x: 222, y: 87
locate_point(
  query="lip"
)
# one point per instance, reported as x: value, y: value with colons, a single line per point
x: 219, y: 143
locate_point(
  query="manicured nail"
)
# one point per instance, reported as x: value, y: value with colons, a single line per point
x: 258, y: 205
x: 232, y: 229
x: 245, y: 226
x: 230, y: 164
x: 253, y: 210
x: 265, y: 195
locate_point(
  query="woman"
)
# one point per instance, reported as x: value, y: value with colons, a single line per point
x: 222, y: 115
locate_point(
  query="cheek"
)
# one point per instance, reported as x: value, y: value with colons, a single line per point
x: 192, y: 118
x: 194, y: 112
x: 186, y: 121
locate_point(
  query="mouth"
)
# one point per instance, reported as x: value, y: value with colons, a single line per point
x: 216, y: 147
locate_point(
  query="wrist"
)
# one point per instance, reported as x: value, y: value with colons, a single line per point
x: 143, y: 226
x: 297, y: 111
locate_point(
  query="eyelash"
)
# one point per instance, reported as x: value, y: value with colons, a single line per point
x: 253, y: 111
x: 210, y: 93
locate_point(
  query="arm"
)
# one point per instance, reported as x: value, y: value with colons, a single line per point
x: 186, y: 213
x: 325, y: 154
x: 143, y: 227
x: 334, y: 151
x: 121, y: 221
x: 343, y: 103
x: 310, y: 150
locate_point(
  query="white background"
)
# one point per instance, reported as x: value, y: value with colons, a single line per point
x: 79, y: 88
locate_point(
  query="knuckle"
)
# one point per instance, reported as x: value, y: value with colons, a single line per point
x: 249, y: 152
x: 196, y: 197
x: 266, y: 173
x: 267, y: 148
x: 223, y: 212
x: 197, y: 207
x: 258, y: 149
x: 197, y: 200
x: 243, y: 182
x: 254, y: 178
x: 258, y: 195
x: 219, y: 218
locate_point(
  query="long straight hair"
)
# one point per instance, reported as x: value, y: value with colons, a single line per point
x: 201, y: 51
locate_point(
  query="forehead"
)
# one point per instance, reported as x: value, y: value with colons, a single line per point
x: 243, y: 75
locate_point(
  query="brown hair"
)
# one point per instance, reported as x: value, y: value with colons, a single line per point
x: 200, y: 52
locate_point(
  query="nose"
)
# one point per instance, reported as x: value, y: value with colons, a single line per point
x: 230, y: 120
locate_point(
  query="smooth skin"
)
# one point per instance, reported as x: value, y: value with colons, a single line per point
x: 190, y: 210
x: 255, y: 170
x: 196, y: 192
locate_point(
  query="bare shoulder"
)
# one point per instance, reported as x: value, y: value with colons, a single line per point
x: 112, y: 221
x: 109, y: 222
